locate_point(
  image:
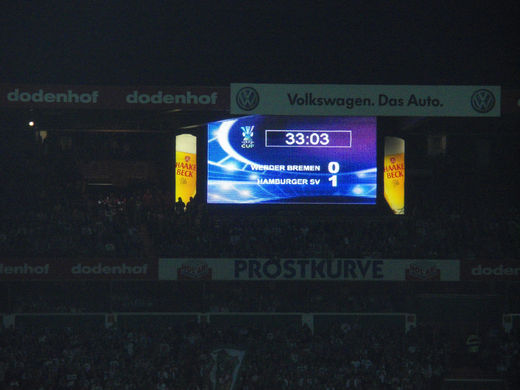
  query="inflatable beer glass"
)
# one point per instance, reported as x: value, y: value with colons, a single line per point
x: 185, y: 167
x: 394, y: 174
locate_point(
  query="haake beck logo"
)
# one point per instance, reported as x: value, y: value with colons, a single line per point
x: 423, y: 271
x: 194, y: 270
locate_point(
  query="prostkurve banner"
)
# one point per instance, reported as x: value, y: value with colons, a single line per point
x: 195, y: 98
x: 365, y: 100
x: 490, y: 270
x: 309, y: 269
x: 78, y: 269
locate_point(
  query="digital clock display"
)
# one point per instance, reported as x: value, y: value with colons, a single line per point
x: 308, y: 138
x: 275, y: 159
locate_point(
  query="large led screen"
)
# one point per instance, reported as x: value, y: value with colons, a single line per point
x: 266, y: 159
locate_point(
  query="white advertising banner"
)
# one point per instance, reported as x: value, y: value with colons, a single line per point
x: 365, y: 100
x: 309, y: 269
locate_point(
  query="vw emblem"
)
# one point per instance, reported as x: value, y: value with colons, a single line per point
x: 483, y: 101
x: 247, y: 98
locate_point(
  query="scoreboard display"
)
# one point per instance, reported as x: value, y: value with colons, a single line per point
x: 292, y: 160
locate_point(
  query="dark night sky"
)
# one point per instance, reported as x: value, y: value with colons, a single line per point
x: 182, y: 44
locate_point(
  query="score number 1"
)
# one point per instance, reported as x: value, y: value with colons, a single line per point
x: 333, y: 167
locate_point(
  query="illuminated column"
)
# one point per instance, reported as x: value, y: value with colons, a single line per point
x: 185, y: 167
x: 394, y: 174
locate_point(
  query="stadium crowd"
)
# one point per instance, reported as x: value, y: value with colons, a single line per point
x: 202, y: 356
x: 207, y: 297
x: 52, y: 212
x: 70, y: 223
x: 49, y: 211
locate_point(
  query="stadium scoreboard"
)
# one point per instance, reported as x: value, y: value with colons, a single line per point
x: 292, y: 160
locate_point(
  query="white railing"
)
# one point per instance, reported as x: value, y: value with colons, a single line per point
x: 409, y: 320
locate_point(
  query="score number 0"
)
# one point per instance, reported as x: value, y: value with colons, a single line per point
x: 333, y: 167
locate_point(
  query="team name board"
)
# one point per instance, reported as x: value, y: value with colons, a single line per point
x: 292, y: 160
x: 309, y: 269
x: 365, y: 100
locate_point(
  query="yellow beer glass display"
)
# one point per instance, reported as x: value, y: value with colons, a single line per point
x: 394, y: 174
x: 185, y: 167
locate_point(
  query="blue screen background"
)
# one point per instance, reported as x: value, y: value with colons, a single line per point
x: 236, y: 145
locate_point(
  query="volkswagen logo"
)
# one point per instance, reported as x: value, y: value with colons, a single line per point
x: 247, y: 98
x: 482, y: 101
